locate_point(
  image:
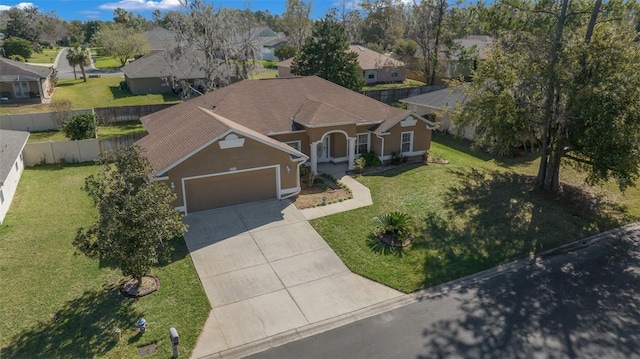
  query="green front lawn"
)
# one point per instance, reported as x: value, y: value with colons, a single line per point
x: 55, y: 303
x: 472, y: 214
x: 48, y: 56
x: 105, y: 92
x: 394, y: 85
x: 106, y: 63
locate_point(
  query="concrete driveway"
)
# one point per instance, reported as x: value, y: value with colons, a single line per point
x: 267, y: 273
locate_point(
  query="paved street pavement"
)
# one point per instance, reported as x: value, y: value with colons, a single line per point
x: 578, y: 302
x: 66, y: 72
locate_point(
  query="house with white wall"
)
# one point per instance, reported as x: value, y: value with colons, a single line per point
x: 11, y: 166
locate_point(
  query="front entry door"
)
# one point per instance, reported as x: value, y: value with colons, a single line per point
x: 323, y: 150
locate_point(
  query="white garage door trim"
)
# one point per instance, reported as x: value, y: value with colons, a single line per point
x: 184, y: 179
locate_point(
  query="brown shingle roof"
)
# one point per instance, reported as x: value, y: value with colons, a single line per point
x: 264, y: 106
x: 159, y: 64
x: 369, y: 59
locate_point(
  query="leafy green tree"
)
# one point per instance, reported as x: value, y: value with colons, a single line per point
x: 80, y: 127
x: 382, y: 23
x: 17, y: 46
x: 562, y: 77
x: 135, y: 214
x: 285, y: 52
x: 121, y: 43
x: 81, y: 57
x: 20, y: 24
x: 326, y: 54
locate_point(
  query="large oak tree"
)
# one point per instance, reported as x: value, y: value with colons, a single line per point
x: 562, y: 77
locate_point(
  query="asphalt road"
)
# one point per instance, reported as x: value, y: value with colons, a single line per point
x: 577, y: 304
x: 66, y: 72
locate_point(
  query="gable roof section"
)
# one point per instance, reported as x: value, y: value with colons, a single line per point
x: 445, y: 99
x: 14, y: 68
x: 11, y: 144
x: 174, y: 140
x: 160, y: 38
x: 370, y: 60
x: 159, y: 64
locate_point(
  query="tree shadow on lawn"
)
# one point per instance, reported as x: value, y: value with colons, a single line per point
x: 466, y: 146
x: 59, y: 166
x: 579, y: 304
x: 118, y: 93
x: 178, y: 249
x: 491, y: 218
x: 82, y: 328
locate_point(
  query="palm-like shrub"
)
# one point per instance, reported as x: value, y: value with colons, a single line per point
x: 393, y: 224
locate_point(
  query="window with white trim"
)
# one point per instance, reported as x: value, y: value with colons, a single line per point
x: 406, y: 142
x: 295, y: 144
x: 362, y: 143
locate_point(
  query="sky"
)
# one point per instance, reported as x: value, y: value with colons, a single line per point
x: 103, y: 9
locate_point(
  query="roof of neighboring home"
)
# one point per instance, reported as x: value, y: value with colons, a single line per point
x: 11, y: 144
x: 445, y: 99
x: 13, y: 69
x: 172, y: 142
x: 160, y: 38
x: 268, y: 107
x: 367, y: 59
x: 159, y: 64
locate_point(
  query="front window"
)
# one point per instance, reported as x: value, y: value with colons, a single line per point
x: 362, y: 143
x: 394, y: 73
x: 406, y: 142
x: 294, y: 144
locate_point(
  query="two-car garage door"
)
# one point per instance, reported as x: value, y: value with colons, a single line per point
x: 230, y: 188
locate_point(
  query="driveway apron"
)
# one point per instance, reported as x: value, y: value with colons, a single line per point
x: 266, y: 271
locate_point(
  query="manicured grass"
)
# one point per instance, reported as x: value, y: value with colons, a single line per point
x: 48, y: 56
x: 472, y: 214
x: 106, y: 63
x: 105, y: 92
x: 55, y: 303
x: 264, y: 74
x: 114, y: 130
x: 269, y: 64
x: 395, y: 85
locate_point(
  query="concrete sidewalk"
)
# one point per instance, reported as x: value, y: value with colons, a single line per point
x: 271, y: 278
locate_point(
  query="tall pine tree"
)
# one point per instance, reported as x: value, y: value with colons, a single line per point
x: 326, y: 54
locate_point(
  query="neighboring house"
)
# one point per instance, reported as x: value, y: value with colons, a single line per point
x: 22, y: 83
x: 152, y: 73
x: 246, y: 142
x: 476, y: 47
x: 268, y: 41
x: 159, y: 39
x: 375, y: 66
x: 11, y: 166
x: 438, y: 107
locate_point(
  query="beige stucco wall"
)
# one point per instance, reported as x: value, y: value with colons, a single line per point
x: 421, y: 138
x: 252, y: 154
x: 284, y: 71
x: 315, y: 134
x: 384, y: 75
x: 299, y: 136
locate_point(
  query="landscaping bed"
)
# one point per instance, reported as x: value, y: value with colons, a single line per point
x: 323, y: 191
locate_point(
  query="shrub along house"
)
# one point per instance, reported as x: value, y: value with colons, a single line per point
x: 247, y: 141
x: 22, y: 83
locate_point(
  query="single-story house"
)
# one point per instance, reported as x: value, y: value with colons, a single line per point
x: 22, y: 83
x: 152, y: 73
x: 247, y: 141
x: 268, y: 41
x: 454, y: 67
x: 438, y: 107
x: 11, y: 166
x: 375, y: 66
x: 159, y: 39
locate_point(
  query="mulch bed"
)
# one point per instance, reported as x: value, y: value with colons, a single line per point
x: 313, y: 196
x: 131, y: 289
x: 390, y: 240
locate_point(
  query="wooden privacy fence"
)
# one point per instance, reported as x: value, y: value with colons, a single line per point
x: 110, y: 115
x: 43, y: 121
x: 113, y: 143
x: 395, y: 95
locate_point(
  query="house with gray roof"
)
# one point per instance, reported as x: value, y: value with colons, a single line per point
x: 438, y: 106
x: 22, y: 83
x: 11, y: 166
